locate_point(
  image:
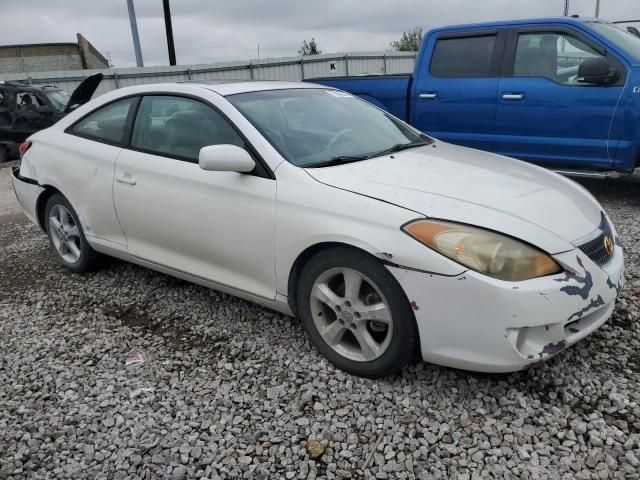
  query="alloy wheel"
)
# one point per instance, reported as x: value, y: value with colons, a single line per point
x: 65, y: 234
x: 351, y: 314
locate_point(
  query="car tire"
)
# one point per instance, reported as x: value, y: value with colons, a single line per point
x: 4, y: 153
x: 66, y: 237
x: 337, y: 314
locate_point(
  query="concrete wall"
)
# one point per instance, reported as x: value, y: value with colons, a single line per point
x: 50, y: 57
x: 91, y: 58
x: 39, y: 58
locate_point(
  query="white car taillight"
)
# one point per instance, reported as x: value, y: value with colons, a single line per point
x: 24, y: 146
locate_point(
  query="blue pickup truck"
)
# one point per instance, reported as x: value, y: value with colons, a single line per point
x: 559, y: 92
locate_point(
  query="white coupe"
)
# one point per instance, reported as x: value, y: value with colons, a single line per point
x: 385, y: 243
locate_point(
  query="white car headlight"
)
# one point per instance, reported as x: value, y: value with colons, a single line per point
x: 482, y: 250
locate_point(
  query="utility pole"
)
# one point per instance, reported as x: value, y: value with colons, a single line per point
x: 566, y: 8
x: 169, y: 28
x: 134, y: 33
x: 597, y: 8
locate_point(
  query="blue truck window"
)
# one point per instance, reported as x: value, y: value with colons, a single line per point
x: 620, y: 38
x: 463, y: 57
x: 555, y: 56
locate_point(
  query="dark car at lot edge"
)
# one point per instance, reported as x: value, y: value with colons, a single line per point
x: 26, y: 109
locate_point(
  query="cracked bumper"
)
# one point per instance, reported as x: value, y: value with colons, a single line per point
x: 475, y: 322
x: 27, y: 192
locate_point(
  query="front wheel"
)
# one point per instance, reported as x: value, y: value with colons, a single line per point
x: 66, y: 237
x: 356, y: 313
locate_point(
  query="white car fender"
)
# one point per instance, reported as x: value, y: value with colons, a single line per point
x: 355, y: 220
x: 84, y: 179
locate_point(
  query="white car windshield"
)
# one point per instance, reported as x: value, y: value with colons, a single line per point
x: 319, y: 127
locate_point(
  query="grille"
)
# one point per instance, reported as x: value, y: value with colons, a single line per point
x: 594, y: 247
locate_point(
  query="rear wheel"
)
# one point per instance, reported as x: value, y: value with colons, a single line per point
x: 66, y: 237
x: 356, y: 313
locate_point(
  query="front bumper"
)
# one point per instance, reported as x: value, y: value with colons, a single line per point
x: 27, y: 191
x: 475, y: 322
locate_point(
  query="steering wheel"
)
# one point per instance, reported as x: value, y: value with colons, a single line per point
x: 339, y: 137
x: 277, y: 138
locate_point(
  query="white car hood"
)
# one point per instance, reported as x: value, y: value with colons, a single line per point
x: 479, y: 188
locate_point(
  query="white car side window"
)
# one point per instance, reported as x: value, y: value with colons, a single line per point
x: 107, y: 123
x: 179, y: 127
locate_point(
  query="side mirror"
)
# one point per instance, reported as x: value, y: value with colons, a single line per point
x: 597, y: 70
x: 45, y: 109
x: 633, y: 31
x: 225, y: 158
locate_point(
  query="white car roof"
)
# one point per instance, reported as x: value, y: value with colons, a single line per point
x: 231, y: 87
x: 221, y: 87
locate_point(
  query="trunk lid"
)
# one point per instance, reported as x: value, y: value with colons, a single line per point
x: 83, y: 92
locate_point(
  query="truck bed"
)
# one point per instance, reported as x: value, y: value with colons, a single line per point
x: 388, y: 92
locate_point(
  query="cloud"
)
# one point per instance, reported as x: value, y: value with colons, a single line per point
x: 207, y: 31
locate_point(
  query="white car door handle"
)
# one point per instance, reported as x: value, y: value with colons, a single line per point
x: 512, y: 96
x: 126, y: 178
x: 428, y: 95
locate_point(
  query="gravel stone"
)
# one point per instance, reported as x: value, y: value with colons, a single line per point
x: 179, y: 473
x: 196, y: 452
x: 315, y: 449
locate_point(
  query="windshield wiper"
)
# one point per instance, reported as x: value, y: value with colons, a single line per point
x: 398, y: 147
x: 342, y: 159
x: 339, y: 160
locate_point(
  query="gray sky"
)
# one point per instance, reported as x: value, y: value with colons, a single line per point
x: 207, y: 31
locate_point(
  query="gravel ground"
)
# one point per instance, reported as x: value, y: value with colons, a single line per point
x: 228, y: 389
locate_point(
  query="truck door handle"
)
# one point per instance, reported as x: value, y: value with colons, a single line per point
x: 126, y: 178
x: 428, y: 95
x: 512, y: 96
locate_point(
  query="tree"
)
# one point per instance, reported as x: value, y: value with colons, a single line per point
x: 309, y: 48
x: 409, y: 42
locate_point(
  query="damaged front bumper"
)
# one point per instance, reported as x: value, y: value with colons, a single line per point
x: 27, y: 190
x: 475, y: 322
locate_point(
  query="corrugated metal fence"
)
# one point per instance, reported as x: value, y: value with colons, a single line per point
x: 288, y: 68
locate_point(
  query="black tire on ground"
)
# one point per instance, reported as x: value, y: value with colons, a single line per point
x: 4, y: 153
x: 404, y: 341
x: 89, y: 260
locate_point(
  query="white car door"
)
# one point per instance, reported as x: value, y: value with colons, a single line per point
x: 85, y: 159
x: 219, y: 226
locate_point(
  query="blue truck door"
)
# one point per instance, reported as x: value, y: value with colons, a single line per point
x: 454, y: 94
x: 545, y: 114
